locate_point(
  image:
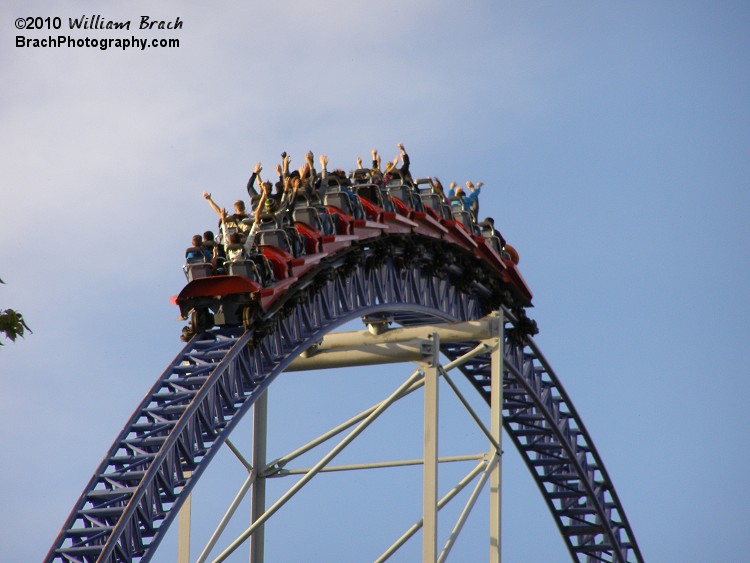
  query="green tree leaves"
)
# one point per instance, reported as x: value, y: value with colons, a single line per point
x: 12, y: 324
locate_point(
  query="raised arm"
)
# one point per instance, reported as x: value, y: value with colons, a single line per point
x: 308, y: 181
x: 285, y: 191
x: 251, y: 182
x: 285, y: 160
x: 261, y: 203
x: 223, y: 227
x: 473, y: 193
x: 323, y: 166
x: 475, y: 189
x: 404, y: 161
x: 216, y: 208
x: 310, y: 160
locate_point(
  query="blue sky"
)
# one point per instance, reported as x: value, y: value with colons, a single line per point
x: 614, y: 143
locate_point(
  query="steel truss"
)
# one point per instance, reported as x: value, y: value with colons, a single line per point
x: 424, y: 377
x: 161, y: 453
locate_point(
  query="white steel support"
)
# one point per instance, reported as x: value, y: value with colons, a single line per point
x: 239, y: 497
x: 380, y: 465
x: 258, y: 496
x: 430, y: 479
x: 467, y: 509
x: 418, y: 344
x: 481, y: 348
x: 359, y: 348
x: 443, y: 501
x: 382, y: 407
x: 496, y: 429
x: 183, y: 530
x: 481, y: 329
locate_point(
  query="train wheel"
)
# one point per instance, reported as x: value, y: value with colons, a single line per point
x: 200, y: 320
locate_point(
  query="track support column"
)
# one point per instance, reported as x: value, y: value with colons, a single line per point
x: 258, y: 496
x: 183, y: 530
x: 496, y: 429
x: 430, y: 353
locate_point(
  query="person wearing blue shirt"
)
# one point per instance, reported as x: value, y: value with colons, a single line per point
x: 196, y: 253
x: 468, y: 202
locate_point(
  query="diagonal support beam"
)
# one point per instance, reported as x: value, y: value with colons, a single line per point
x: 426, y: 352
x: 449, y: 496
x: 467, y: 509
x: 320, y: 465
x: 239, y: 497
x: 280, y: 462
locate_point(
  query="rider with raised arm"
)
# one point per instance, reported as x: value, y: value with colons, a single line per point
x: 468, y: 202
x: 236, y: 222
x: 251, y: 182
